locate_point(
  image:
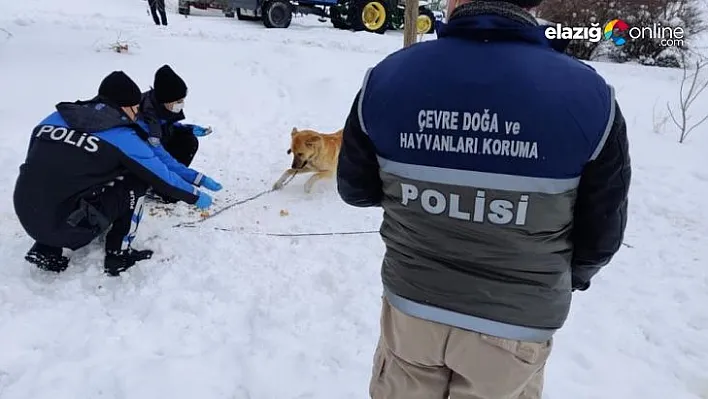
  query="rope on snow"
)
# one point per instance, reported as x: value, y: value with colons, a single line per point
x: 262, y: 193
x: 317, y: 234
x: 233, y: 204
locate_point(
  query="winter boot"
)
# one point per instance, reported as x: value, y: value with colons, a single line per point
x: 117, y: 262
x: 47, y: 258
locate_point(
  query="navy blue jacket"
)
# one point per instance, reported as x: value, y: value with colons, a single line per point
x: 161, y: 123
x: 503, y: 180
x: 82, y: 146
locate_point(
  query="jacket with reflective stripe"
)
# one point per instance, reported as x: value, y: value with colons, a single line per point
x: 479, y: 157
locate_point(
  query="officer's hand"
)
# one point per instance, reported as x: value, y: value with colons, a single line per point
x: 210, y: 184
x: 204, y: 201
x: 201, y: 131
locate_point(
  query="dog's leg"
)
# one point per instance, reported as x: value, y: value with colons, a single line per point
x: 279, y: 184
x: 314, y: 178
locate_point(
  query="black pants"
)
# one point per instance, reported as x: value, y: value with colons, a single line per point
x: 158, y: 6
x: 182, y: 144
x: 117, y: 207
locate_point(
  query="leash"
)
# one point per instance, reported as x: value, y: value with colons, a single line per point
x: 319, y: 234
x: 233, y: 204
x: 262, y: 193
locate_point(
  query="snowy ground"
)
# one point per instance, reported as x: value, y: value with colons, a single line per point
x: 236, y: 314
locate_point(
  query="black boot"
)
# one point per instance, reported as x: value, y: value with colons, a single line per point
x: 47, y: 258
x: 120, y: 261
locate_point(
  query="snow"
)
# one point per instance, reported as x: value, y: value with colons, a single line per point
x: 238, y: 314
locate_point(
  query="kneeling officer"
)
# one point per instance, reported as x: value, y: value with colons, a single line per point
x: 86, y: 172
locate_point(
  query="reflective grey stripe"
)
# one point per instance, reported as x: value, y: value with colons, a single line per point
x: 467, y: 178
x: 360, y: 107
x: 195, y: 191
x: 467, y: 322
x: 608, y: 127
x: 198, y: 180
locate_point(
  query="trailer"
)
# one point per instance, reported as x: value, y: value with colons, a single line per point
x: 375, y: 16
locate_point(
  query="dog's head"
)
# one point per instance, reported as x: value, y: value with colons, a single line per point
x: 304, y: 146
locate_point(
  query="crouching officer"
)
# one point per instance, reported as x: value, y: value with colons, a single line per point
x: 161, y: 110
x: 176, y: 144
x: 86, y: 172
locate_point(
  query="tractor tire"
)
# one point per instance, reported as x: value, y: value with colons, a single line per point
x: 277, y: 14
x: 396, y: 19
x: 369, y: 15
x: 242, y: 17
x: 336, y: 17
x: 426, y: 21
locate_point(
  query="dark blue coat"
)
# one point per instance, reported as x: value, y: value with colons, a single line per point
x: 502, y: 169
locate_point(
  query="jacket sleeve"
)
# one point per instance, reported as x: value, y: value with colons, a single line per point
x: 187, y: 174
x: 600, y: 215
x: 140, y: 159
x: 358, y: 180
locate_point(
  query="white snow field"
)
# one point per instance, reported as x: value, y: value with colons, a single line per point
x: 238, y: 314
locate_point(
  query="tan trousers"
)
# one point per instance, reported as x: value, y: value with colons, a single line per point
x: 419, y: 359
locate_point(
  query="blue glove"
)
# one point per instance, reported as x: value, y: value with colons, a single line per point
x: 204, y: 200
x: 200, y: 131
x: 210, y: 184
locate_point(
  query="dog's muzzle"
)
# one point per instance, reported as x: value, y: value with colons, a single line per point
x: 295, y: 165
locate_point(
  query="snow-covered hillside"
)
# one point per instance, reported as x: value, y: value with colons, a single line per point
x: 240, y: 314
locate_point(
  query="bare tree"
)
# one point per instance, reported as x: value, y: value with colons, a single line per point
x: 410, y: 18
x: 688, y: 96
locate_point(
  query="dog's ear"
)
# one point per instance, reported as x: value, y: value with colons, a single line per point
x: 294, y: 131
x: 310, y: 142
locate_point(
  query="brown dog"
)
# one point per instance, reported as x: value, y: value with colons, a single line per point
x: 313, y: 152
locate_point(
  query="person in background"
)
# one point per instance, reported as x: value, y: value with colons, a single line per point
x: 86, y: 172
x: 157, y: 10
x: 504, y: 188
x: 161, y: 110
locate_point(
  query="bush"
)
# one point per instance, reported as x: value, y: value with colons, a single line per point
x: 664, y: 14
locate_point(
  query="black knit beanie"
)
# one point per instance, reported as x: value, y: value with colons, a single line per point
x: 120, y: 89
x: 168, y: 86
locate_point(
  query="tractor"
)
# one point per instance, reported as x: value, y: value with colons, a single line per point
x: 375, y: 16
x: 426, y: 18
x: 184, y: 6
x: 378, y: 15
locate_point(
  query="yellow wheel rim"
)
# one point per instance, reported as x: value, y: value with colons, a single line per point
x: 373, y: 16
x: 423, y: 24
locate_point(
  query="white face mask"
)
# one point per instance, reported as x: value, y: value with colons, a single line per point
x: 177, y: 107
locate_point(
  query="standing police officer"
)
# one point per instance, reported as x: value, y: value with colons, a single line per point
x: 504, y: 187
